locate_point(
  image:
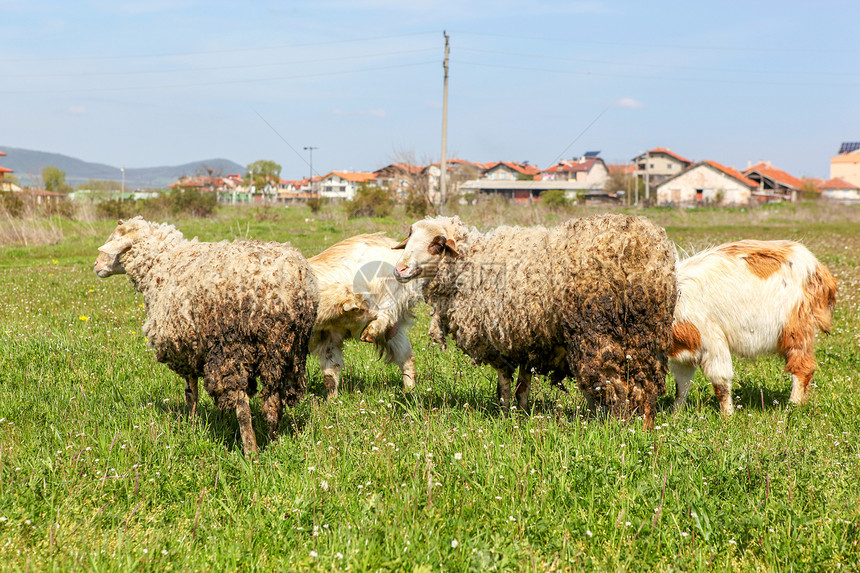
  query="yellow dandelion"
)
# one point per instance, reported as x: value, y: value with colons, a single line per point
x: 84, y: 318
x: 55, y: 261
x: 91, y: 290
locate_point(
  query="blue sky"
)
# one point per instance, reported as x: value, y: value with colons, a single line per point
x: 155, y: 82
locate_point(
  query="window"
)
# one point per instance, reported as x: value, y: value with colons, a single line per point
x: 700, y: 194
x: 669, y: 166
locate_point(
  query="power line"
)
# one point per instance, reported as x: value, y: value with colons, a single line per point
x: 225, y: 51
x: 658, y: 66
x: 214, y: 83
x: 660, y: 78
x: 660, y: 46
x: 219, y: 68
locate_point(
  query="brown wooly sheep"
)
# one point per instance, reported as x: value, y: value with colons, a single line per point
x: 749, y: 298
x: 234, y: 313
x: 360, y: 298
x: 590, y: 298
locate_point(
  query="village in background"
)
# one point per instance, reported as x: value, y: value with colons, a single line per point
x: 657, y: 177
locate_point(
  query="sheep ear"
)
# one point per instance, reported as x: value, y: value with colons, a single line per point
x: 402, y: 244
x: 451, y: 247
x: 117, y: 247
x: 348, y: 306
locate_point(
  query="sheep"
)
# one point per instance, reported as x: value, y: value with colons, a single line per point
x: 360, y: 298
x: 233, y: 313
x: 749, y: 298
x: 591, y: 298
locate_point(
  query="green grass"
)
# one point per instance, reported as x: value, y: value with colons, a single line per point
x: 100, y: 470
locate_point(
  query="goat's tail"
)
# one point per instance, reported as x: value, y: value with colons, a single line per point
x: 820, y: 292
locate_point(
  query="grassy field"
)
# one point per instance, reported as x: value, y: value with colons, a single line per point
x: 100, y: 470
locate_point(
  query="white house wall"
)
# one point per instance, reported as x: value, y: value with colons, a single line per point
x: 682, y: 189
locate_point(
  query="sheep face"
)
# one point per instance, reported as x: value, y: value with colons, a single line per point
x: 108, y: 262
x: 428, y: 242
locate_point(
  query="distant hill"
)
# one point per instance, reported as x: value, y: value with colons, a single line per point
x: 28, y: 164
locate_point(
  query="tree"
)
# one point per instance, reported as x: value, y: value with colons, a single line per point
x: 263, y: 172
x: 619, y: 180
x: 54, y: 179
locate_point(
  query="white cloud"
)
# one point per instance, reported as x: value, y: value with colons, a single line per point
x: 78, y: 110
x: 629, y: 103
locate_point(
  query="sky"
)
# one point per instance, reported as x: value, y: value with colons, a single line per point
x: 142, y: 83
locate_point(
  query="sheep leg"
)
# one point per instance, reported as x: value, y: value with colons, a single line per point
x: 503, y: 391
x: 246, y: 430
x: 683, y: 374
x: 400, y: 351
x: 191, y: 395
x: 801, y: 364
x: 272, y: 408
x: 717, y: 367
x: 331, y: 362
x: 524, y: 383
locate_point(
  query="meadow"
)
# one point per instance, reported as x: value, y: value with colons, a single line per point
x: 100, y: 470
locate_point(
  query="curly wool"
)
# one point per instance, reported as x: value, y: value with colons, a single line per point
x: 590, y: 298
x: 230, y: 312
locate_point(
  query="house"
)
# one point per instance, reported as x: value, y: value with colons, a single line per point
x: 840, y: 191
x: 343, y: 184
x: 588, y: 172
x: 509, y: 171
x: 459, y: 171
x: 519, y: 191
x: 706, y: 183
x: 657, y: 165
x: 773, y: 184
x: 6, y: 185
x: 846, y: 165
x: 399, y: 177
x: 295, y: 191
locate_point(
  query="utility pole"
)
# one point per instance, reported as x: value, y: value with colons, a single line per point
x: 443, y: 178
x: 311, y: 179
x: 122, y: 193
x: 647, y: 179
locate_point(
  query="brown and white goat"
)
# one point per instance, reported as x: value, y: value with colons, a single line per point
x: 747, y: 299
x: 359, y: 298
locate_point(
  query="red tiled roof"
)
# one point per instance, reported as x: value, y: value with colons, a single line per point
x: 731, y: 172
x: 670, y: 153
x: 568, y: 166
x: 6, y: 170
x: 836, y: 183
x: 628, y: 168
x: 778, y: 175
x: 523, y: 168
x: 355, y: 177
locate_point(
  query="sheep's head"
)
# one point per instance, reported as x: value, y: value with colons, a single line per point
x: 108, y: 262
x: 428, y: 242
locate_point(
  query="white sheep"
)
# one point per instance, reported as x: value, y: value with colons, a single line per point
x: 360, y: 298
x: 234, y: 313
x: 747, y: 299
x: 592, y: 298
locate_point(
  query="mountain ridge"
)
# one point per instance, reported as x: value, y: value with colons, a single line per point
x: 28, y: 164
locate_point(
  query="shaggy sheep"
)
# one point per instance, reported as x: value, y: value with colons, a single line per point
x: 749, y: 298
x: 591, y: 298
x: 230, y: 312
x: 359, y: 297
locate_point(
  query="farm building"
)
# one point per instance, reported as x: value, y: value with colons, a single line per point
x: 846, y: 165
x: 706, y: 183
x: 773, y: 184
x: 659, y: 164
x: 840, y: 191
